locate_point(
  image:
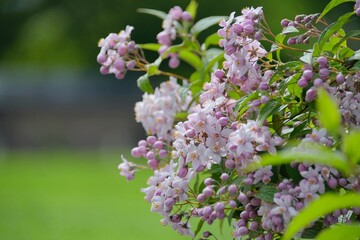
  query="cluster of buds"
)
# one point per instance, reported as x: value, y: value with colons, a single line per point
x: 115, y: 53
x: 302, y: 22
x: 169, y: 32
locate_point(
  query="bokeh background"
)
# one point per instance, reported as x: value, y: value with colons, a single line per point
x: 63, y: 126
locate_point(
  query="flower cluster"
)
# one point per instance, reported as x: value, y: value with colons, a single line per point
x: 157, y: 111
x: 302, y: 22
x: 213, y: 138
x: 169, y: 32
x: 115, y: 53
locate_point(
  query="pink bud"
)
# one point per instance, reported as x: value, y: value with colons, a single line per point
x: 162, y: 153
x: 104, y: 70
x: 174, y: 61
x: 186, y: 16
x: 101, y: 58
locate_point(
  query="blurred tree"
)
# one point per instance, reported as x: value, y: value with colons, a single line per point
x: 65, y: 32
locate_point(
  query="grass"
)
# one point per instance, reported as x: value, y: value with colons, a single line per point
x: 75, y: 195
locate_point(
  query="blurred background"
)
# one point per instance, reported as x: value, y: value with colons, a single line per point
x: 63, y: 125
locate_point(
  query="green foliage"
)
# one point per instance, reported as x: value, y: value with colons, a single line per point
x: 333, y: 28
x: 154, y: 12
x: 350, y: 144
x: 340, y: 232
x: 309, y: 153
x: 329, y: 114
x: 332, y: 5
x: 323, y: 205
x: 205, y: 23
x: 144, y: 83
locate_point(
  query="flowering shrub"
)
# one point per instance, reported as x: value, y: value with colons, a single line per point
x: 268, y: 145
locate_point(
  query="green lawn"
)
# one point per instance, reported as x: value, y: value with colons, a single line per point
x: 74, y: 195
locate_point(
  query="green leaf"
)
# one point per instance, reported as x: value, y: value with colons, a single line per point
x: 329, y: 46
x: 186, y: 55
x: 198, y: 228
x: 329, y: 114
x: 214, y: 56
x: 356, y: 66
x: 333, y: 28
x: 191, y: 58
x: 213, y: 39
x: 290, y: 29
x: 244, y: 100
x: 345, y: 53
x: 310, y: 233
x: 181, y: 116
x: 152, y: 70
x: 340, y: 232
x: 277, y: 47
x: 350, y: 145
x: 154, y: 12
x: 346, y: 37
x: 291, y: 84
x: 331, y: 5
x: 268, y: 109
x: 311, y: 153
x: 192, y: 8
x: 267, y: 193
x: 325, y: 204
x: 205, y: 23
x: 280, y: 38
x: 150, y: 46
x: 144, y: 84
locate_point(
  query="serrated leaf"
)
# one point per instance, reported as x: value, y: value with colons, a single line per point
x: 290, y: 29
x: 266, y: 193
x: 325, y: 204
x: 333, y: 28
x: 144, y: 84
x: 205, y: 23
x: 340, y: 232
x: 329, y: 114
x: 150, y: 46
x: 154, y: 12
x: 192, y: 8
x: 331, y: 5
x: 350, y: 145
